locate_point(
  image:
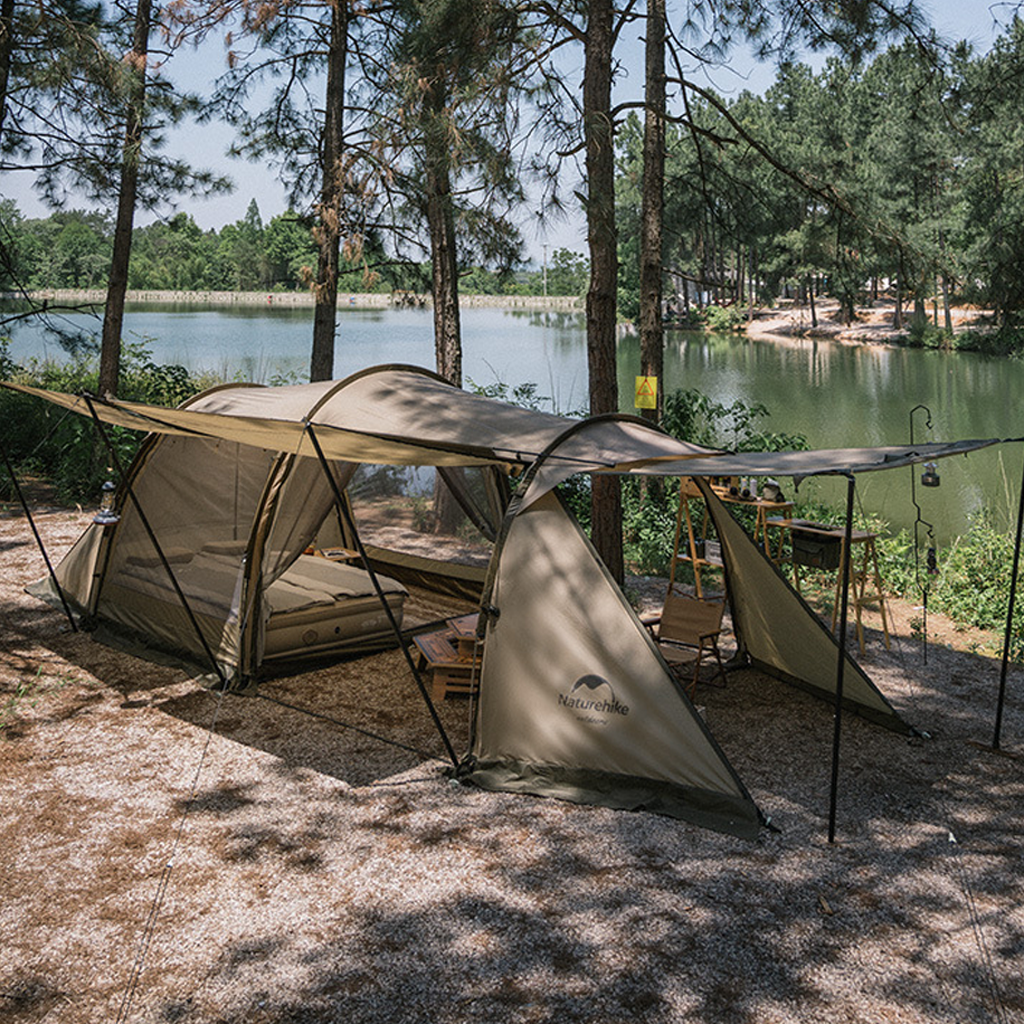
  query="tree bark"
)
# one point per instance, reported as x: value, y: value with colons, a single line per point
x: 113, y: 316
x: 443, y: 252
x: 6, y: 50
x: 328, y: 230
x: 652, y: 346
x: 599, y: 137
x: 947, y: 313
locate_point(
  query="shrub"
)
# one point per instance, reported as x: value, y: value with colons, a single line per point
x: 724, y: 318
x: 42, y: 439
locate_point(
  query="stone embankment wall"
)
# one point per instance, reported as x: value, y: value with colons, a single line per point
x: 355, y: 300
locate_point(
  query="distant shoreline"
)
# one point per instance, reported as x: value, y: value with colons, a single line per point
x: 304, y: 300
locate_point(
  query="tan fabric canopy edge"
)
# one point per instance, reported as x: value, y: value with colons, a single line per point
x: 392, y: 415
x: 799, y: 465
x: 818, y: 462
x: 272, y: 434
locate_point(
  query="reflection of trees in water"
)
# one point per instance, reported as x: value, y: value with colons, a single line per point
x: 552, y: 319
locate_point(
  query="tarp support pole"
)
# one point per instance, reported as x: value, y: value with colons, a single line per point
x: 346, y: 515
x: 841, y: 661
x: 1014, y: 572
x: 39, y: 541
x: 156, y: 544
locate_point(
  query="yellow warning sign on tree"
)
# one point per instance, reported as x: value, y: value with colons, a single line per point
x: 646, y: 393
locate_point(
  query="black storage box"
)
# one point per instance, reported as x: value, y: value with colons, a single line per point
x: 811, y: 549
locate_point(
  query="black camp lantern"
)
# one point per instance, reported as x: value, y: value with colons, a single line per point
x: 107, y: 516
x: 930, y: 476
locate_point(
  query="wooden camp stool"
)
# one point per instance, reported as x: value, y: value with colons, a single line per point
x: 449, y: 656
x: 783, y: 525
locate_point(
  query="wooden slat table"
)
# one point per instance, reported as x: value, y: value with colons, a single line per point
x: 452, y: 656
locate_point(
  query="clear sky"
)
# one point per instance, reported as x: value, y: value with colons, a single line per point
x: 205, y: 145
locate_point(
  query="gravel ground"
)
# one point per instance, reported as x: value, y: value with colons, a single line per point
x: 317, y: 874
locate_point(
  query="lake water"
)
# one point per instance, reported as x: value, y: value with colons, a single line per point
x: 835, y: 395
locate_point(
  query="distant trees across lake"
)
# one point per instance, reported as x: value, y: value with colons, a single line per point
x: 71, y: 249
x: 898, y: 173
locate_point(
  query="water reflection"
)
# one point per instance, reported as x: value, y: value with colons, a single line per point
x: 836, y: 395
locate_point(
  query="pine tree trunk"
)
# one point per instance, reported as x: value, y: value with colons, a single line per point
x: 328, y: 231
x: 443, y: 254
x: 606, y: 501
x: 6, y: 50
x: 947, y: 313
x: 652, y: 208
x: 117, y: 286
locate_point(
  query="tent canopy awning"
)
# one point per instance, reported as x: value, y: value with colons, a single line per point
x: 820, y: 462
x: 402, y: 415
x: 393, y: 415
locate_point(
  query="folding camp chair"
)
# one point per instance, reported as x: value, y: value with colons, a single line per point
x: 690, y: 624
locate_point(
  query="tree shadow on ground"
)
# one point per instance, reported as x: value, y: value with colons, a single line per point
x: 489, y: 907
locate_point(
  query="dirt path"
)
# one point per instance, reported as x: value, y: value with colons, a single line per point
x: 318, y: 874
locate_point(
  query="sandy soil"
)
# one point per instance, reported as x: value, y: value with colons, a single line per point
x: 873, y: 323
x: 167, y: 854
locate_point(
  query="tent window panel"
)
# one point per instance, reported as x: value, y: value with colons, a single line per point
x: 307, y: 499
x: 413, y: 510
x: 199, y: 496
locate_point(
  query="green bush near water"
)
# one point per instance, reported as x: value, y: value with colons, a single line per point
x: 43, y: 440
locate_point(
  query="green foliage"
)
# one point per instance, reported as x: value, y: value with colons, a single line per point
x: 65, y: 447
x: 648, y: 524
x: 568, y: 274
x: 973, y: 573
x: 694, y: 417
x: 524, y: 395
x: 924, y: 334
x: 723, y: 318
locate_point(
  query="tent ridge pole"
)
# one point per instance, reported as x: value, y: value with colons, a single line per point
x: 396, y: 629
x: 39, y: 541
x: 841, y: 660
x: 156, y: 543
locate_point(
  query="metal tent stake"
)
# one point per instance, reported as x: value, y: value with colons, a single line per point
x: 1009, y: 620
x: 346, y: 515
x: 841, y: 663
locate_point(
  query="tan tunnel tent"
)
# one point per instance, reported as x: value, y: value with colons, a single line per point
x: 208, y: 557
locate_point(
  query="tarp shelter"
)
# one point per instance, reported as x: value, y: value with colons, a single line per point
x: 575, y: 699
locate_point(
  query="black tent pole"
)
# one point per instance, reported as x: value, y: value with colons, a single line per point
x: 841, y: 662
x: 39, y: 541
x: 345, y: 513
x: 1009, y: 620
x: 153, y: 539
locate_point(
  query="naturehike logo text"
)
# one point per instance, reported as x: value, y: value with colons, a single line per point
x: 593, y: 700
